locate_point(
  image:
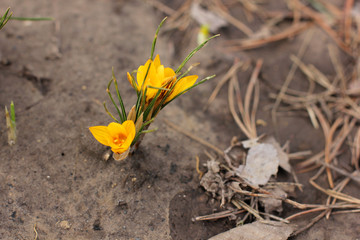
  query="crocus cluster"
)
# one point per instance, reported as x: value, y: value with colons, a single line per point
x: 155, y: 86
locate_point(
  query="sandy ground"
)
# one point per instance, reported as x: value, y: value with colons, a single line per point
x: 57, y: 72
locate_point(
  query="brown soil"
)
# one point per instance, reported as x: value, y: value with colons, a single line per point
x: 56, y: 74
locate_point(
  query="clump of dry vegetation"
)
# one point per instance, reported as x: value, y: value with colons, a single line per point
x: 243, y: 177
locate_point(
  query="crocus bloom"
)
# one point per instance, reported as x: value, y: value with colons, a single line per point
x: 159, y: 77
x: 117, y: 136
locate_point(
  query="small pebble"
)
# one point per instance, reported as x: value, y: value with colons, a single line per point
x: 64, y: 224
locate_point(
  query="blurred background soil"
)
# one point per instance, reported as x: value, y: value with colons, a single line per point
x: 55, y: 181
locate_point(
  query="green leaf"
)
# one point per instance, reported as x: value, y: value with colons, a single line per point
x: 5, y: 18
x: 148, y: 131
x: 119, y: 97
x: 155, y: 38
x: 108, y: 112
x: 32, y: 18
x: 151, y: 104
x: 193, y: 52
x: 133, y: 82
x: 187, y: 71
x: 143, y: 99
x: 122, y: 119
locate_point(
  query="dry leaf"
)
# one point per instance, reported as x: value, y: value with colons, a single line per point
x: 211, y: 180
x: 261, y: 163
x: 272, y: 204
x: 283, y: 157
x: 270, y: 230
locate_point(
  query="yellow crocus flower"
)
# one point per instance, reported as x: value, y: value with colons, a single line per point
x: 159, y: 77
x: 117, y: 136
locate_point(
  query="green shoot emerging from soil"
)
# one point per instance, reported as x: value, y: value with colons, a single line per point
x: 11, y: 124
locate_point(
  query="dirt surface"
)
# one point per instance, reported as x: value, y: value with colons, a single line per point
x: 54, y: 183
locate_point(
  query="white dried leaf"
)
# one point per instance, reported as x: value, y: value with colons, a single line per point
x: 270, y: 230
x: 283, y: 157
x: 261, y: 163
x: 205, y: 17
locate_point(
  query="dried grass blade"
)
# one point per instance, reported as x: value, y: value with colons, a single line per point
x: 335, y: 194
x: 242, y: 205
x: 319, y: 21
x: 232, y: 108
x: 334, y: 57
x: 356, y: 150
x: 255, y: 43
x: 227, y: 76
x: 215, y: 216
x: 323, y: 122
x: 218, y: 7
x: 290, y: 75
x: 254, y: 109
x: 321, y: 79
x: 305, y: 69
x: 328, y: 144
x: 316, y: 219
x: 305, y: 212
x: 299, y: 155
x: 275, y: 217
x: 340, y: 138
x: 334, y: 10
x: 338, y: 188
x: 253, y: 79
x: 162, y: 7
x: 347, y: 20
x: 312, y: 116
x: 239, y: 99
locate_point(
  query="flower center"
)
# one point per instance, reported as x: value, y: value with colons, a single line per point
x: 119, y: 140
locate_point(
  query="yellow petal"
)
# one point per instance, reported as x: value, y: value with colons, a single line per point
x: 160, y: 73
x: 181, y: 85
x: 116, y: 129
x: 168, y: 72
x: 157, y: 62
x: 141, y: 72
x: 129, y: 127
x: 101, y: 134
x: 130, y: 130
x: 153, y: 80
